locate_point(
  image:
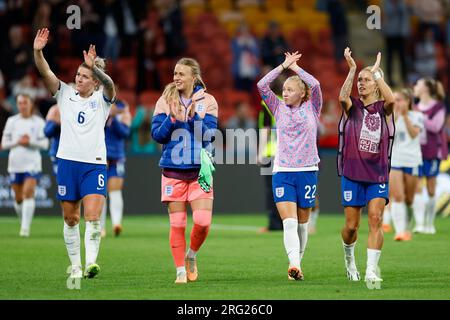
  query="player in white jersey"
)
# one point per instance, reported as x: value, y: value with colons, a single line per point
x: 82, y: 152
x: 24, y: 137
x: 406, y: 159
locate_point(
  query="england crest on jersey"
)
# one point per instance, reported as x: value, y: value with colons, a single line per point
x: 168, y: 190
x: 200, y: 108
x: 348, y: 195
x: 62, y: 190
x: 93, y: 105
x: 279, y: 192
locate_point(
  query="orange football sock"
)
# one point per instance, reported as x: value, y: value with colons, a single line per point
x: 177, y: 237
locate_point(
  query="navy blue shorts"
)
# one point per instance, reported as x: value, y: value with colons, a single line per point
x: 430, y: 168
x: 19, y: 177
x: 411, y: 171
x: 116, y: 168
x: 78, y: 179
x: 358, y: 194
x: 299, y: 187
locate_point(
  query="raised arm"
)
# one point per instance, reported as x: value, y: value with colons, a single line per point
x: 312, y: 83
x: 109, y: 90
x: 50, y: 79
x: 385, y: 90
x: 269, y: 97
x: 346, y: 90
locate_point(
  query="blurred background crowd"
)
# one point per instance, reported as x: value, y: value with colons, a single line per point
x: 235, y: 41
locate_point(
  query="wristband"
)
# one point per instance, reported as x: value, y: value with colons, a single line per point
x: 377, y: 75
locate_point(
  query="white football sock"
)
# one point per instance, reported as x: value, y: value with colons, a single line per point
x: 313, y: 218
x: 181, y: 271
x: 116, y: 206
x: 18, y: 209
x: 291, y: 241
x: 430, y: 211
x: 387, y: 215
x: 92, y: 241
x: 103, y: 216
x: 303, y: 237
x: 419, y: 210
x: 191, y: 254
x: 398, y: 212
x: 373, y: 256
x: 28, y: 206
x: 72, y: 240
x: 349, y: 251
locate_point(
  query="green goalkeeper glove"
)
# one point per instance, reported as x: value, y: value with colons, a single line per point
x: 205, y: 177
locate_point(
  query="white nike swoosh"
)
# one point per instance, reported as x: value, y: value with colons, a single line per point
x: 100, y: 188
x: 381, y: 191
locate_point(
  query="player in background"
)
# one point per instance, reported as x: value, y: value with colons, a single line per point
x: 183, y: 106
x: 52, y: 131
x: 24, y: 136
x: 405, y: 163
x: 433, y: 139
x: 82, y: 152
x: 295, y: 170
x: 366, y: 133
x: 117, y: 131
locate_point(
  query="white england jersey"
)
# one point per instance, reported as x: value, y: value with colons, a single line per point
x: 82, y: 125
x: 406, y: 151
x: 24, y: 159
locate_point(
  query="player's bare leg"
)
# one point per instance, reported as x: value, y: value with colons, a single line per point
x: 349, y: 236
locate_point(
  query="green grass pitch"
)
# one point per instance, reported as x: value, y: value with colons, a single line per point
x: 236, y: 262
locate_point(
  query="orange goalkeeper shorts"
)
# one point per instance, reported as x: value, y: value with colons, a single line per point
x: 182, y: 190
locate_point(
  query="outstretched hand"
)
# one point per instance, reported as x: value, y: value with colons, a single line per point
x: 348, y: 56
x: 90, y: 56
x: 291, y: 60
x: 41, y: 39
x: 376, y: 66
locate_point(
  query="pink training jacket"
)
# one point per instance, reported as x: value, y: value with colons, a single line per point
x: 296, y: 126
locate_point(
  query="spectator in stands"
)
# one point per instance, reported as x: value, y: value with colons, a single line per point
x: 133, y: 11
x: 16, y: 57
x: 328, y: 127
x: 172, y: 25
x: 26, y: 86
x: 242, y: 118
x: 91, y: 28
x: 42, y: 17
x: 112, y: 27
x: 246, y: 55
x: 396, y: 30
x: 338, y: 24
x: 430, y: 14
x: 273, y: 46
x: 425, y: 63
x: 151, y: 48
x: 141, y: 139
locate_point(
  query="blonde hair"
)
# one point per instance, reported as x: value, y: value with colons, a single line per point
x: 170, y: 91
x: 302, y: 85
x: 435, y: 88
x: 407, y: 93
x: 99, y: 63
x: 378, y: 92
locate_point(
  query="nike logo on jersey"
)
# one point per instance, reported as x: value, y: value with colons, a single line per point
x: 381, y: 191
x: 100, y: 188
x: 72, y: 100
